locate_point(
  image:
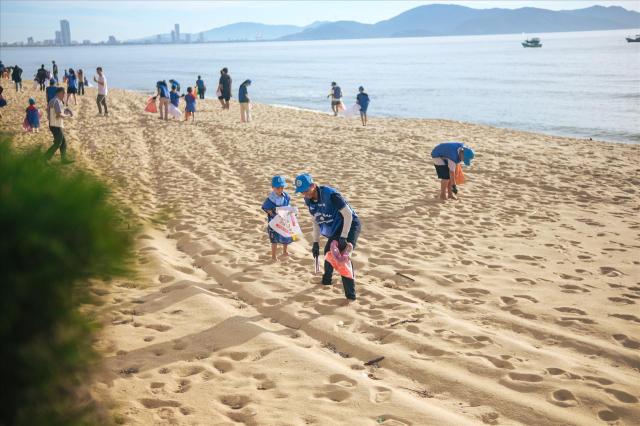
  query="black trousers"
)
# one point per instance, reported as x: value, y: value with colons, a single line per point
x: 348, y: 284
x: 80, y: 88
x: 201, y: 93
x: 59, y: 142
x: 101, y: 100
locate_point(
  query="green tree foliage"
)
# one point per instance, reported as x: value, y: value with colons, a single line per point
x: 58, y: 230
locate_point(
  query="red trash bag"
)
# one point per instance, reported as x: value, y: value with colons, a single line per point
x: 151, y: 106
x: 340, y: 261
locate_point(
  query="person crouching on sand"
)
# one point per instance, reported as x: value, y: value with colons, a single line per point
x: 190, y: 108
x: 277, y: 198
x: 446, y: 157
x: 334, y: 219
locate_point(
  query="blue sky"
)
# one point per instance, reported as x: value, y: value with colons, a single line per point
x: 96, y: 20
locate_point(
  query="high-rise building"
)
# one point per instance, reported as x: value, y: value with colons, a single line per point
x: 177, y: 30
x: 65, y: 31
x: 173, y: 36
x: 58, y: 38
x: 30, y: 41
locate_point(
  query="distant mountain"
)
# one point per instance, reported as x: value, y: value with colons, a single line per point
x: 440, y: 20
x: 429, y: 20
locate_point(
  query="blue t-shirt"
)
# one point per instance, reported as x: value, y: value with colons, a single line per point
x: 72, y: 82
x: 200, y: 84
x: 33, y: 117
x: 326, y: 211
x: 448, y: 150
x: 242, y: 94
x: 164, y: 91
x: 51, y: 93
x: 175, y: 98
x: 190, y: 100
x: 363, y: 100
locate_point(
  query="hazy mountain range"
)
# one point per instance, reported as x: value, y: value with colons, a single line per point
x: 434, y: 20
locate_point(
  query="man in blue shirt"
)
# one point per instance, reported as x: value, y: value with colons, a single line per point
x: 51, y: 90
x: 201, y: 87
x: 446, y: 156
x: 334, y: 219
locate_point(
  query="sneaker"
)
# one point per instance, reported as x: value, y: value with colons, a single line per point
x: 67, y: 161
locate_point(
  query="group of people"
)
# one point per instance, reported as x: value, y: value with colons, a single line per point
x: 335, y: 219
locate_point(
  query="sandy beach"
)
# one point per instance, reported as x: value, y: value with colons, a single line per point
x: 515, y: 305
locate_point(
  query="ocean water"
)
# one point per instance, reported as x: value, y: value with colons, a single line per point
x: 581, y: 84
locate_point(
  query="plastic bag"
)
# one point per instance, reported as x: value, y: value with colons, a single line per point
x: 26, y: 126
x: 459, y: 176
x: 285, y: 222
x: 174, y: 112
x: 355, y: 108
x: 341, y: 262
x: 151, y: 106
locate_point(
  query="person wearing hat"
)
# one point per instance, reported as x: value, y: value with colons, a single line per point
x: 277, y: 198
x: 32, y: 118
x: 243, y: 99
x: 334, y: 219
x: 446, y: 157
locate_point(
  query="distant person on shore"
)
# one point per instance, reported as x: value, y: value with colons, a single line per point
x: 72, y: 86
x: 336, y: 97
x: 243, y: 99
x: 81, y: 78
x: 334, y: 219
x: 446, y: 158
x: 16, y: 77
x: 32, y: 117
x: 101, y: 99
x: 362, y: 99
x: 224, y: 87
x: 56, y: 114
x: 51, y: 90
x: 55, y: 70
x: 190, y: 105
x: 201, y: 87
x: 41, y: 78
x: 163, y: 95
x: 277, y: 198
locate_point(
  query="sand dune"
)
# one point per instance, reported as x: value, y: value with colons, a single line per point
x: 517, y: 304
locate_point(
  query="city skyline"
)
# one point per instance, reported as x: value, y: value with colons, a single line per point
x: 99, y: 20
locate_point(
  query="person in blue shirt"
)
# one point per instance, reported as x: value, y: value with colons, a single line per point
x: 243, y: 99
x: 446, y: 157
x: 277, y: 198
x: 362, y: 99
x: 174, y: 96
x: 163, y: 94
x: 334, y: 219
x: 51, y: 90
x: 201, y: 87
x: 336, y: 97
x: 72, y: 86
x: 33, y: 116
x: 190, y: 108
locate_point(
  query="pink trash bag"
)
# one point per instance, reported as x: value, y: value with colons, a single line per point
x: 341, y: 262
x: 151, y: 106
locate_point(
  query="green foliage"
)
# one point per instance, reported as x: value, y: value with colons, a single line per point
x: 58, y: 230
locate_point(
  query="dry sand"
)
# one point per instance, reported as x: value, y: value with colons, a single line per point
x: 517, y: 304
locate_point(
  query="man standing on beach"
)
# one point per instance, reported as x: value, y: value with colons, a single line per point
x: 55, y: 71
x: 334, y: 219
x: 224, y: 87
x: 56, y: 115
x: 336, y: 97
x: 101, y: 100
x: 201, y: 87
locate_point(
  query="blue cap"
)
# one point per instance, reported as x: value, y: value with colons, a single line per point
x: 468, y: 156
x: 278, y: 181
x: 52, y: 81
x: 303, y: 182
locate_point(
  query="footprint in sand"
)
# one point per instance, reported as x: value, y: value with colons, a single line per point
x: 157, y: 385
x: 600, y: 380
x: 342, y: 380
x: 158, y: 403
x: 189, y: 370
x: 521, y: 314
x: 391, y: 420
x: 627, y: 342
x: 608, y: 416
x: 222, y: 366
x: 179, y: 345
x: 610, y: 271
x: 380, y: 394
x: 158, y: 327
x: 621, y: 396
x: 235, y: 402
x: 622, y: 300
x: 526, y: 297
x: 333, y: 393
x: 165, y: 278
x: 627, y: 317
x: 183, y: 386
x: 563, y: 398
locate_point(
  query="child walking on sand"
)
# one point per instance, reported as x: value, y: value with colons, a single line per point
x: 190, y: 108
x: 363, y: 100
x: 32, y: 118
x: 277, y: 198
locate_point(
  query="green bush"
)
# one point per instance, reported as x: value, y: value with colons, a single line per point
x: 58, y: 230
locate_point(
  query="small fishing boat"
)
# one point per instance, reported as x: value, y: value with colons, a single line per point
x: 532, y: 42
x: 634, y: 40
